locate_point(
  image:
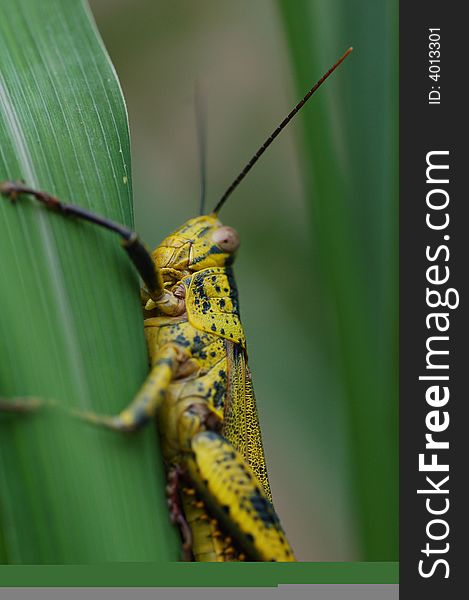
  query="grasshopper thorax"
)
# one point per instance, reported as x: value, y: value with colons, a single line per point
x: 200, y: 243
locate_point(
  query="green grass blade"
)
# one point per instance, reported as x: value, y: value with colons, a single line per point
x: 350, y: 159
x: 70, y: 320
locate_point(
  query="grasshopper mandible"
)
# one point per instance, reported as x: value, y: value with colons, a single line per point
x: 199, y: 387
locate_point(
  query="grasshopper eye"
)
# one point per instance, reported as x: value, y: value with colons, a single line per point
x: 226, y: 238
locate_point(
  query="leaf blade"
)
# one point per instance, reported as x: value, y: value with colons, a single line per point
x: 71, y: 321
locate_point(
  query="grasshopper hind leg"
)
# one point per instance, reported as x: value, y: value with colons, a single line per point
x: 236, y: 498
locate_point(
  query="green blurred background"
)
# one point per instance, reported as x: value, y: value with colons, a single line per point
x: 317, y: 268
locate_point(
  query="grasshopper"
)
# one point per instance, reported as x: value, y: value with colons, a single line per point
x: 199, y: 387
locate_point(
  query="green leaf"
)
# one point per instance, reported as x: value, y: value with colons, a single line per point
x: 350, y: 157
x: 70, y: 323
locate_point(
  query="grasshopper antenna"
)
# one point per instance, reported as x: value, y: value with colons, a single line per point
x: 272, y: 137
x: 201, y: 132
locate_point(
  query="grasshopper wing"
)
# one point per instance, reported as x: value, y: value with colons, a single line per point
x: 241, y: 423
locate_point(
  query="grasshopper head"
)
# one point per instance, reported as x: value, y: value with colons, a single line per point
x: 199, y: 243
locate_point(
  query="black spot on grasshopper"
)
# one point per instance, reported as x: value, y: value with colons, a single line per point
x: 180, y: 339
x: 215, y: 250
x: 233, y: 291
x: 219, y: 396
x: 264, y: 509
x: 165, y: 361
x: 198, y: 345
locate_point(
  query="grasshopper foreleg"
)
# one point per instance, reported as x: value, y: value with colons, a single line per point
x: 138, y: 254
x: 23, y: 404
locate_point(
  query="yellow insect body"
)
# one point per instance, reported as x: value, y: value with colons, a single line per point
x: 207, y: 418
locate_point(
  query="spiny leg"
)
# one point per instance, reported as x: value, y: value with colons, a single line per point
x: 175, y: 476
x: 136, y: 251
